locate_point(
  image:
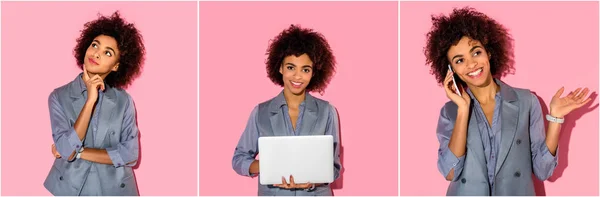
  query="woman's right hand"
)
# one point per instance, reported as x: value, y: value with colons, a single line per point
x: 462, y: 101
x: 55, y: 153
x: 92, y: 84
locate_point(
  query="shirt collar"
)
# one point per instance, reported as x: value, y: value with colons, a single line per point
x: 80, y: 85
x: 279, y: 100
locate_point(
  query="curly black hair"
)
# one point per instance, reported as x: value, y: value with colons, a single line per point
x: 448, y: 30
x: 297, y: 41
x: 129, y: 43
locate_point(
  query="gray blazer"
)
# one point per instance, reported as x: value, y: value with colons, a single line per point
x: 270, y: 118
x: 114, y: 129
x: 522, y: 152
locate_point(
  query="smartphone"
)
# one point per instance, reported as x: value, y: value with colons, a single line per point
x: 454, y: 81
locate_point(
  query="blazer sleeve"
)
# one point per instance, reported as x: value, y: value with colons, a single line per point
x: 247, y: 147
x: 63, y: 134
x: 127, y: 151
x: 333, y: 128
x: 446, y: 159
x: 544, y: 162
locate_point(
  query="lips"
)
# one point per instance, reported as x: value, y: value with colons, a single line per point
x: 92, y: 61
x: 296, y: 84
x: 475, y: 73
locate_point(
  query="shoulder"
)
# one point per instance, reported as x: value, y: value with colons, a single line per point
x: 448, y: 107
x: 62, y: 91
x: 122, y: 94
x: 323, y: 104
x: 525, y: 96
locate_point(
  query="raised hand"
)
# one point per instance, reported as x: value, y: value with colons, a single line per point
x: 560, y: 107
x: 451, y: 93
x: 92, y: 84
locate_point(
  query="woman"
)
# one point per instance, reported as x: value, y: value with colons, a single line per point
x: 492, y: 137
x: 93, y: 119
x: 300, y: 60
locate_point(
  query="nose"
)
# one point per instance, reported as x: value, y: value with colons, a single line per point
x: 297, y: 74
x: 471, y: 63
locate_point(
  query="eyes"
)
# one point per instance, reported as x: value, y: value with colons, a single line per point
x: 107, y: 52
x: 461, y: 60
x: 291, y: 68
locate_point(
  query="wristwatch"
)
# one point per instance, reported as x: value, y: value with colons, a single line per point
x: 311, y: 189
x: 78, y: 155
x: 554, y: 119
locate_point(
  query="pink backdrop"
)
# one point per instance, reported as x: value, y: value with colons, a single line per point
x: 363, y: 35
x: 556, y: 45
x: 37, y: 43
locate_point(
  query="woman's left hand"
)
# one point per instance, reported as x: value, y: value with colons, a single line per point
x: 292, y: 184
x: 560, y: 107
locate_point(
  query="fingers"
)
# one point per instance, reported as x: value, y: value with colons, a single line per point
x: 96, y: 82
x: 579, y: 98
x: 559, y: 92
x: 448, y: 84
x: 572, y: 94
x: 85, y: 73
x: 584, y: 102
x: 283, y: 184
x: 54, y: 152
x: 292, y: 183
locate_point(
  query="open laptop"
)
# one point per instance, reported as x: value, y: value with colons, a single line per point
x: 307, y: 158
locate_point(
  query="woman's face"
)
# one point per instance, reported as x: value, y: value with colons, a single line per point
x: 102, y: 56
x: 297, y: 72
x: 470, y: 62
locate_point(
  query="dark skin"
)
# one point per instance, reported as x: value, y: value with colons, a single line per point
x: 470, y: 61
x: 102, y: 58
x: 297, y: 72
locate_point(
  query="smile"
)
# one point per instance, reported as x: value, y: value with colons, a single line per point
x: 476, y: 73
x: 296, y: 84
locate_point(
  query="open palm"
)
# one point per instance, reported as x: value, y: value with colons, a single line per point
x: 560, y: 107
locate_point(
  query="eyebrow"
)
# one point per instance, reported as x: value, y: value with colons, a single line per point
x: 106, y: 47
x: 472, y: 49
x: 289, y: 63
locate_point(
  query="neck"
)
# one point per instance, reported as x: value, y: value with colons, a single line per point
x: 487, y: 93
x: 294, y: 100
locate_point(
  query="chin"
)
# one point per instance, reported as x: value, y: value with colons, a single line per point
x: 482, y: 83
x: 295, y: 91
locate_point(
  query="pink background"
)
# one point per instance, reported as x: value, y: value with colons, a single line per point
x: 556, y: 44
x: 37, y: 43
x: 363, y: 35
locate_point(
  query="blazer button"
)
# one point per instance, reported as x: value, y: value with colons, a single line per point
x: 517, y: 174
x: 60, y: 178
x: 122, y: 185
x: 463, y: 180
x: 518, y: 141
x: 112, y: 133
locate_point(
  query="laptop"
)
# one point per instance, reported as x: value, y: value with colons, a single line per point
x: 307, y: 158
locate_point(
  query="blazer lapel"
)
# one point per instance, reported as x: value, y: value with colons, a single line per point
x: 474, y: 141
x: 309, y: 117
x: 277, y: 121
x: 76, y: 92
x: 106, y: 112
x: 510, y: 119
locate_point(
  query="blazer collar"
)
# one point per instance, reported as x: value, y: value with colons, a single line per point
x: 78, y: 89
